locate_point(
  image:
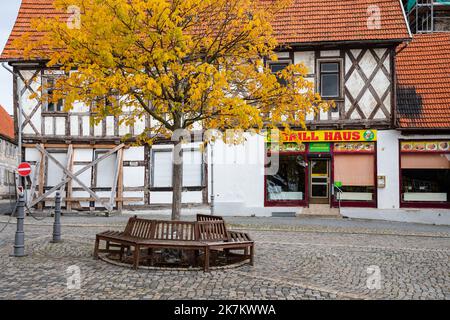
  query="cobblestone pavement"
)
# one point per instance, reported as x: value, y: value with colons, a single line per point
x: 320, y: 261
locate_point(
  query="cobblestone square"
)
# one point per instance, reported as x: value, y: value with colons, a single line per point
x: 298, y: 259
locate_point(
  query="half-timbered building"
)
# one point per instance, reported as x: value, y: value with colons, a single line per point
x: 423, y: 118
x: 347, y: 156
x: 8, y: 158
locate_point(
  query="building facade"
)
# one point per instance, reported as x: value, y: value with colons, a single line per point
x: 8, y: 157
x: 357, y: 154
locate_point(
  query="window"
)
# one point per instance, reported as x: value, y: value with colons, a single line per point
x: 330, y: 79
x: 425, y: 177
x: 192, y: 168
x: 289, y: 183
x: 54, y: 173
x: 162, y: 168
x: 105, y: 169
x: 51, y: 105
x: 356, y: 173
x: 277, y: 67
x: 11, y: 178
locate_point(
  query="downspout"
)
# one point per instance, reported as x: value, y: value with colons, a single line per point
x: 19, y: 126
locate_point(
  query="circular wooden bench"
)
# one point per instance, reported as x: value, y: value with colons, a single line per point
x: 208, y: 233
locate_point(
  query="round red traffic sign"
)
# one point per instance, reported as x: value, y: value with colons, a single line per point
x: 24, y: 169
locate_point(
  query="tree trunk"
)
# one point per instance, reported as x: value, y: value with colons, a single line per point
x: 177, y: 180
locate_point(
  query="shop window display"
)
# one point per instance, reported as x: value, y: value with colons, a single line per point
x: 289, y: 183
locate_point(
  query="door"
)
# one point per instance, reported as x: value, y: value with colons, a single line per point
x: 319, y: 181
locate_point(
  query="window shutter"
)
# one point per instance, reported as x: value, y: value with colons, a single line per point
x: 192, y: 168
x: 162, y: 169
x: 354, y: 170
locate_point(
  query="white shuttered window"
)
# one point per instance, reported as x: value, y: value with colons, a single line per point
x: 162, y: 168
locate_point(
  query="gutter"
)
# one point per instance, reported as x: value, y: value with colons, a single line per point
x: 427, y: 130
x: 339, y: 43
x: 8, y: 138
x: 406, y: 19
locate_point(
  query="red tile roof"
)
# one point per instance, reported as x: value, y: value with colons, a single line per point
x: 6, y: 124
x: 340, y: 20
x: 304, y: 21
x: 423, y: 90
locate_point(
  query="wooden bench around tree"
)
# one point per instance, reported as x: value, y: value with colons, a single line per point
x: 200, y: 236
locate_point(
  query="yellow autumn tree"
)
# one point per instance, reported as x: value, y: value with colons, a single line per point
x: 183, y: 62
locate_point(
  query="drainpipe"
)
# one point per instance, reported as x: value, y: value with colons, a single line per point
x: 19, y: 125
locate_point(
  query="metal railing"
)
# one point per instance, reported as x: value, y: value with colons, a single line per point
x: 339, y: 195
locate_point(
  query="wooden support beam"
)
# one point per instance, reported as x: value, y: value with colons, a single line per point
x: 34, y: 182
x: 70, y: 161
x: 86, y: 199
x: 114, y: 188
x: 74, y: 176
x: 71, y: 175
x: 75, y: 146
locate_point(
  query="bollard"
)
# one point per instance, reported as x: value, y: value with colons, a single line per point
x: 19, y: 241
x: 57, y: 223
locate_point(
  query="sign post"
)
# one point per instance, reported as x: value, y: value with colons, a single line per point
x: 24, y: 170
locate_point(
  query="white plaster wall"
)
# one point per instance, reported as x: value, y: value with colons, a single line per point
x: 134, y: 194
x: 139, y: 126
x: 239, y: 175
x: 380, y: 83
x: 48, y: 125
x: 388, y: 166
x: 330, y: 53
x: 134, y: 154
x: 32, y: 154
x: 165, y: 197
x: 109, y: 126
x: 98, y: 129
x: 28, y: 104
x: 8, y: 163
x: 83, y: 154
x: 133, y: 176
x: 60, y: 126
x: 74, y: 127
x: 84, y: 177
x: 86, y: 126
x: 82, y: 194
x: 306, y: 57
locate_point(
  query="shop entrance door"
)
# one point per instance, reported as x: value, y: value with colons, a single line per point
x: 319, y: 181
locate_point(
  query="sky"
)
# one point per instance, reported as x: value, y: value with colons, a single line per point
x: 8, y: 14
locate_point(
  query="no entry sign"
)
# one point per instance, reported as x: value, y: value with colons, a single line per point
x: 24, y: 169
